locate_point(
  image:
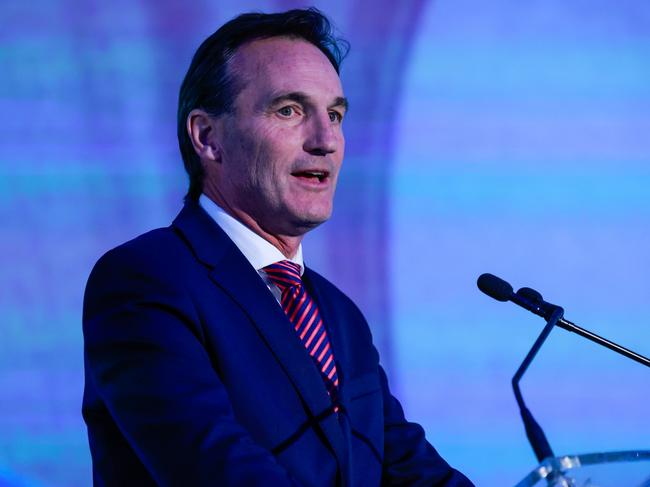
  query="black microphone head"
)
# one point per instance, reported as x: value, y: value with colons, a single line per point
x: 494, y: 287
x: 530, y: 295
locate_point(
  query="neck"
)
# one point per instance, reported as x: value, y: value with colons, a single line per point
x: 287, y: 244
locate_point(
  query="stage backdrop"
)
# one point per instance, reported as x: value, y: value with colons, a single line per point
x: 507, y: 137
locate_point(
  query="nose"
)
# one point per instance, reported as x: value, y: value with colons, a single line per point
x: 323, y: 136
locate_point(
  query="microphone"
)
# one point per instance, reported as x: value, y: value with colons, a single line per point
x: 494, y: 287
x: 526, y: 297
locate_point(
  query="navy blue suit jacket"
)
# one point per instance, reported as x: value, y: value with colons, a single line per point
x: 194, y: 377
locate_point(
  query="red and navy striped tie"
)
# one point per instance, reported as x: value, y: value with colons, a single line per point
x: 303, y: 313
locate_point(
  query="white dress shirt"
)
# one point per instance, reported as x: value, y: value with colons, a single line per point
x: 258, y: 251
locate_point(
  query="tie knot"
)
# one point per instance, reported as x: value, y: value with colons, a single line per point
x: 284, y: 274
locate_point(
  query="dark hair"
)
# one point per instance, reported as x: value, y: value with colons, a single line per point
x: 210, y: 85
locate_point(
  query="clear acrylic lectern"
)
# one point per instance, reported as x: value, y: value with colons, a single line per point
x: 612, y: 469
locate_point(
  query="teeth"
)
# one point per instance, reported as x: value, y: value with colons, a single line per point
x: 315, y: 174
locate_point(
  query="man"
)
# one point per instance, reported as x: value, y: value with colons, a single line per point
x: 213, y: 356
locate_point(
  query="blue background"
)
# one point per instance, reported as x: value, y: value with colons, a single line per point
x: 509, y: 137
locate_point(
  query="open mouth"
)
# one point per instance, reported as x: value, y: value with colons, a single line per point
x: 310, y: 175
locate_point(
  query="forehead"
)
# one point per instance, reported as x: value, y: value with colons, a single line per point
x: 285, y: 64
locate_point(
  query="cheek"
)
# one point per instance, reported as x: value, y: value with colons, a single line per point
x: 277, y: 151
x: 264, y: 156
x: 267, y: 165
x: 249, y: 156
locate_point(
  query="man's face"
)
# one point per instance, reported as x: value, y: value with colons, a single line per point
x: 282, y: 145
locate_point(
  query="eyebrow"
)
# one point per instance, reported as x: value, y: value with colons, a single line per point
x: 304, y: 99
x: 341, y: 101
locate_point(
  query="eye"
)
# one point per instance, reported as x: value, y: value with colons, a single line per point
x: 287, y: 111
x: 335, y: 116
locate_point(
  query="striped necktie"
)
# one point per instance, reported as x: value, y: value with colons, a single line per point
x: 304, y: 315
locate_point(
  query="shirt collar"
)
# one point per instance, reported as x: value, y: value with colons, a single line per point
x: 258, y: 251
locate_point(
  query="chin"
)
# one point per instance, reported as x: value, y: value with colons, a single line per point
x: 306, y: 222
x: 318, y: 217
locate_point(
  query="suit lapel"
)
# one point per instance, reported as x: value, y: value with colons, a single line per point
x: 233, y: 273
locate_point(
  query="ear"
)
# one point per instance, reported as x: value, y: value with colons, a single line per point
x: 201, y: 127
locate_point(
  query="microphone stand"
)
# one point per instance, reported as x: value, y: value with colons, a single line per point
x: 567, y: 325
x: 534, y: 432
x: 531, y: 300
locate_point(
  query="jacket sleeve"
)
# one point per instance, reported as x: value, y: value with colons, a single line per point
x: 146, y: 363
x: 409, y: 459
